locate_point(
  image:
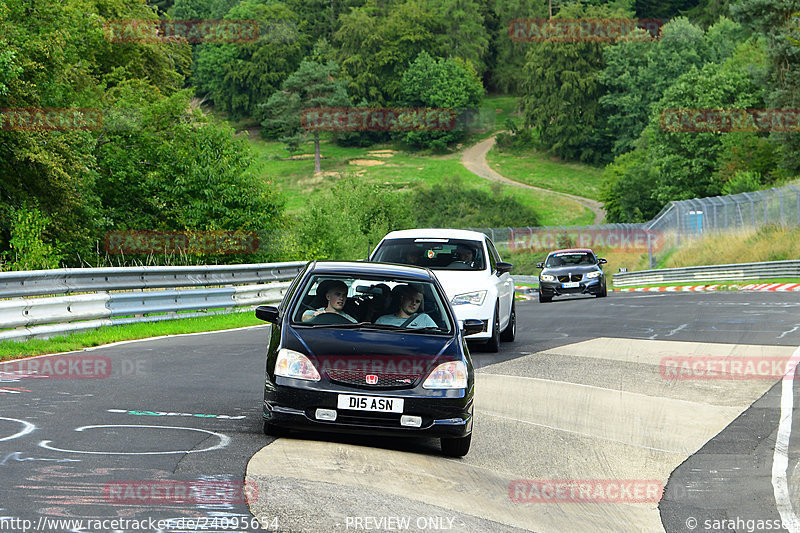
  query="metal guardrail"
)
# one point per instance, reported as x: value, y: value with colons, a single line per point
x: 737, y: 271
x: 43, y: 303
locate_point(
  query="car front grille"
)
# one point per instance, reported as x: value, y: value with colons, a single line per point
x: 386, y: 380
x: 570, y: 277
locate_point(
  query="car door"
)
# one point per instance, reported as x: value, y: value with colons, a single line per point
x: 504, y: 284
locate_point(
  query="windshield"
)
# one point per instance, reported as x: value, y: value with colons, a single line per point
x: 570, y: 259
x: 381, y: 303
x: 436, y: 254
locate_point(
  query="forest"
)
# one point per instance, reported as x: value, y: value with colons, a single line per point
x: 171, y: 151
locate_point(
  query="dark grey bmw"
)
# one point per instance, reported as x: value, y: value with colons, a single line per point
x: 571, y: 271
x: 369, y: 348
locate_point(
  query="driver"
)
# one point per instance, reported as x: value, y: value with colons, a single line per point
x: 336, y: 296
x: 408, y: 316
x: 465, y: 254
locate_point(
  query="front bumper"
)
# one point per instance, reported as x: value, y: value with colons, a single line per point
x: 443, y: 413
x: 586, y: 286
x: 484, y: 313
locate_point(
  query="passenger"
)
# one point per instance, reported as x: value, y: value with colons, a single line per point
x: 335, y: 295
x: 408, y: 316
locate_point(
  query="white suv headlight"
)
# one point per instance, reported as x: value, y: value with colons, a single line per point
x: 595, y: 274
x: 474, y: 298
x: 452, y: 375
x: 291, y: 364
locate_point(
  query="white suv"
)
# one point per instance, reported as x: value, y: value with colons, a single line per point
x: 469, y: 268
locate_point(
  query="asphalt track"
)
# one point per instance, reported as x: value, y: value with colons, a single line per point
x: 585, y: 395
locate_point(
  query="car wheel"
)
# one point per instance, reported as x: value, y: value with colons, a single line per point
x: 604, y: 293
x: 510, y: 332
x: 456, y: 447
x: 544, y: 299
x: 493, y: 344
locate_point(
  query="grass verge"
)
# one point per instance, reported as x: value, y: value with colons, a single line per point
x: 107, y: 335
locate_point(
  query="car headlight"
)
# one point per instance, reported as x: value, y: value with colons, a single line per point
x: 452, y: 375
x: 291, y: 364
x: 595, y: 274
x: 474, y: 298
x: 547, y: 277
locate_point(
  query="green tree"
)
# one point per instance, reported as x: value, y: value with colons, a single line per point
x: 638, y: 71
x: 378, y: 41
x: 352, y: 219
x: 777, y: 21
x: 29, y: 250
x: 444, y: 83
x: 628, y: 188
x: 562, y: 89
x: 686, y: 162
x: 507, y: 55
x: 177, y: 168
x: 461, y: 31
x: 238, y: 77
x: 313, y: 85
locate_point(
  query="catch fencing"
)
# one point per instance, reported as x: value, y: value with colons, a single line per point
x: 43, y: 303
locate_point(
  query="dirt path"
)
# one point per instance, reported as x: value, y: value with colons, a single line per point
x: 474, y: 160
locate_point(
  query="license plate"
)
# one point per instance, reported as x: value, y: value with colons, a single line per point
x: 571, y: 285
x: 370, y: 403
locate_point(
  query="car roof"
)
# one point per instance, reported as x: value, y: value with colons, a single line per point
x: 364, y: 268
x: 436, y: 233
x: 575, y: 250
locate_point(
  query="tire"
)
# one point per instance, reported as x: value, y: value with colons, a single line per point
x: 510, y: 333
x: 456, y: 447
x: 493, y: 344
x: 604, y: 293
x: 544, y: 299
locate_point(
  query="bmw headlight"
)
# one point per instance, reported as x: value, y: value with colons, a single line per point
x: 474, y: 298
x: 595, y: 274
x: 291, y: 364
x: 547, y: 277
x: 452, y: 375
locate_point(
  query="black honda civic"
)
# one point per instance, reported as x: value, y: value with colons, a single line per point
x: 369, y: 348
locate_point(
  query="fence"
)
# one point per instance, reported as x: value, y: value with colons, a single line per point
x: 676, y: 222
x: 43, y: 303
x: 738, y: 271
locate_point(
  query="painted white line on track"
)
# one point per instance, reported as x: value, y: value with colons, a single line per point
x: 780, y: 458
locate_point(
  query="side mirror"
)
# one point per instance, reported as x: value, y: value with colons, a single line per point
x: 472, y: 325
x: 503, y: 268
x: 267, y: 313
x: 539, y: 265
x: 601, y: 261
